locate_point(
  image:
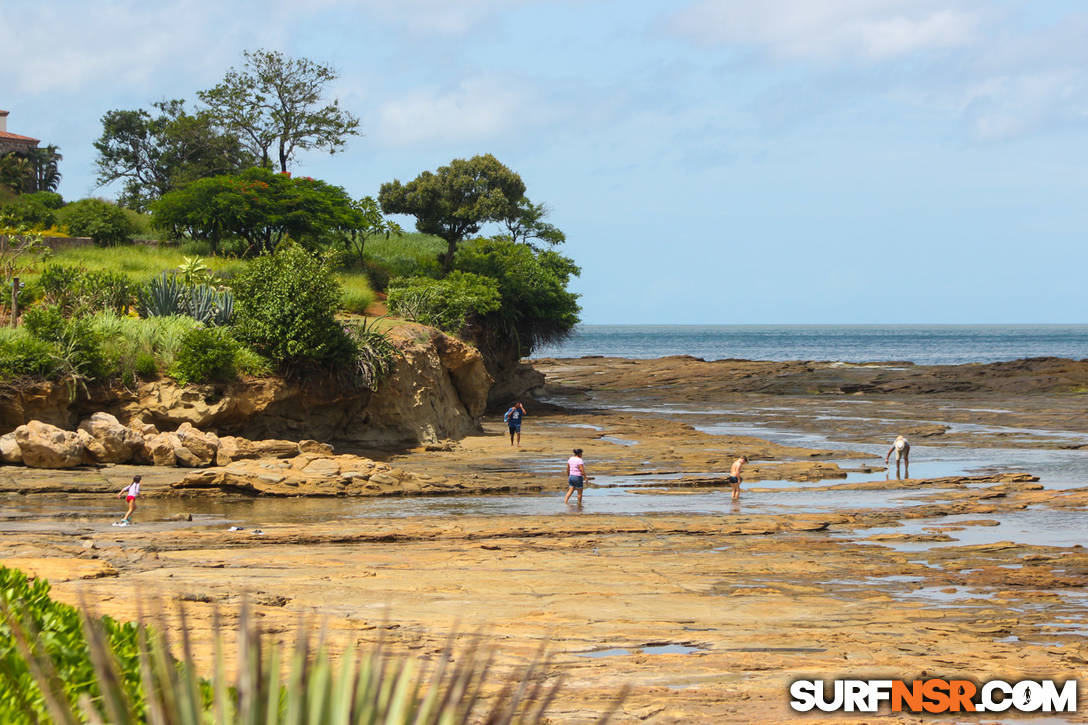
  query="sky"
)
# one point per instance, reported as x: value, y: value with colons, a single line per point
x: 711, y: 161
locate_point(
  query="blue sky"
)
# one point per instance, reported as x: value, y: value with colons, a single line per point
x: 711, y: 161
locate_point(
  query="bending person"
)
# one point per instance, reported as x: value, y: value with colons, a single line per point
x: 901, y: 448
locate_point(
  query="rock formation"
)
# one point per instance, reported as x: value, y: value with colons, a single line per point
x: 46, y: 446
x: 437, y: 390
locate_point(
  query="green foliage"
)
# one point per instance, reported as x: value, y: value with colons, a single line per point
x: 376, y: 355
x: 454, y: 201
x: 357, y: 293
x: 364, y: 224
x: 206, y: 354
x: 159, y: 151
x: 248, y: 362
x: 142, y: 262
x: 45, y: 322
x: 105, y: 223
x: 36, y: 210
x: 130, y: 673
x: 32, y: 623
x: 194, y: 271
x: 135, y: 348
x: 536, y: 306
x: 258, y: 206
x: 446, y: 303
x: 285, y: 304
x: 23, y: 355
x: 79, y: 291
x: 161, y: 297
x: 274, y: 105
x: 402, y: 255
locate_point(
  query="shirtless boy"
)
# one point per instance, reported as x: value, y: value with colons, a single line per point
x: 734, y: 475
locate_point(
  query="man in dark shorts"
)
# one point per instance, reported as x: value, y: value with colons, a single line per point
x: 513, y: 421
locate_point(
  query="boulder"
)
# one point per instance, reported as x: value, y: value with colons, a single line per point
x: 187, y: 459
x: 93, y: 451
x: 309, y: 446
x: 232, y: 448
x: 144, y: 429
x: 47, y: 446
x: 9, y: 449
x: 115, y: 443
x: 203, y: 446
x: 162, y: 449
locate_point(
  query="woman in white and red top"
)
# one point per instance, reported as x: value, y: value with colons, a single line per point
x: 576, y: 475
x: 130, y: 492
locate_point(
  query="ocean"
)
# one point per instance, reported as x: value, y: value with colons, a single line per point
x: 920, y: 344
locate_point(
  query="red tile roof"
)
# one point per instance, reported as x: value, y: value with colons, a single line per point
x: 3, y: 112
x: 4, y: 135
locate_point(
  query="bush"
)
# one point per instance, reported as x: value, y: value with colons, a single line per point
x: 135, y: 348
x: 206, y: 354
x: 78, y: 291
x: 105, y: 223
x: 375, y: 354
x: 285, y: 306
x: 55, y: 631
x: 446, y: 303
x: 247, y: 362
x: 45, y: 323
x: 37, y: 210
x: 23, y: 355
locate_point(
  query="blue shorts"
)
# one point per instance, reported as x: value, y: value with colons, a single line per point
x: 575, y: 481
x: 515, y: 427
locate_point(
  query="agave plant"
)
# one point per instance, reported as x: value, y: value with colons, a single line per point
x: 372, y: 687
x: 200, y: 302
x: 224, y: 308
x: 161, y: 297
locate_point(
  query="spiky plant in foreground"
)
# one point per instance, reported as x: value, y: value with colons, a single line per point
x: 369, y: 687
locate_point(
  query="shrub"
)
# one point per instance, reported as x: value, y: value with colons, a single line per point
x: 37, y: 210
x: 136, y: 348
x: 285, y: 305
x: 250, y: 363
x: 23, y: 355
x: 206, y: 354
x: 375, y: 354
x: 446, y: 303
x: 105, y: 223
x: 44, y: 322
x: 54, y: 631
x: 145, y: 366
x: 78, y: 291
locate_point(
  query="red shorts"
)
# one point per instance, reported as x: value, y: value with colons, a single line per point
x: 130, y: 499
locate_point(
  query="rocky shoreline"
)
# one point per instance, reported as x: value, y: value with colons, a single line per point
x: 827, y: 566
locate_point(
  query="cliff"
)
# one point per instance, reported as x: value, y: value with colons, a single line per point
x: 438, y: 390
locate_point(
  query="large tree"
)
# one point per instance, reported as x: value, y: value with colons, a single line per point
x: 259, y: 206
x: 275, y: 104
x: 456, y: 200
x: 163, y: 150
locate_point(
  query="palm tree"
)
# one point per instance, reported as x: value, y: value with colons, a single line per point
x: 46, y: 173
x: 15, y: 172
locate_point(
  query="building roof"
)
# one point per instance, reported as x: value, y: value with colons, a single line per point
x: 16, y: 138
x: 3, y: 112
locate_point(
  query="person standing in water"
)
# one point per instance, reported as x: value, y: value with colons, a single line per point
x: 901, y: 448
x: 734, y: 475
x: 576, y: 475
x: 130, y: 492
x: 513, y: 421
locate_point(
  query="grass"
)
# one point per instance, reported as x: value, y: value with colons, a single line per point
x: 407, y: 255
x: 357, y: 292
x: 141, y: 261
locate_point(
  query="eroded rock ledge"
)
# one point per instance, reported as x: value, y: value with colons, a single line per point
x: 438, y: 390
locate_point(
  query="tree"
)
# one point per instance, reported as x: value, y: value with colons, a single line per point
x: 259, y: 206
x: 364, y: 222
x: 275, y: 102
x: 537, y: 308
x: 45, y: 162
x: 527, y: 223
x: 155, y: 153
x: 454, y: 201
x: 16, y: 172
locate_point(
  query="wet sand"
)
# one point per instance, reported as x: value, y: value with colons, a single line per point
x: 706, y: 609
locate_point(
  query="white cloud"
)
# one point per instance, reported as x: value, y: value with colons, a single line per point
x: 433, y: 17
x: 475, y: 109
x: 828, y: 30
x: 67, y: 47
x: 1004, y: 107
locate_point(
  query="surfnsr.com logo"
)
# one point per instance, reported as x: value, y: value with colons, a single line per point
x: 934, y: 696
